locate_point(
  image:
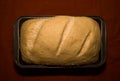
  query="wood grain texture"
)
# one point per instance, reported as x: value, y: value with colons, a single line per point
x: 10, y: 10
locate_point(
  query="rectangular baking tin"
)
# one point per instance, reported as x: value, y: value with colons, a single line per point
x: 17, y: 54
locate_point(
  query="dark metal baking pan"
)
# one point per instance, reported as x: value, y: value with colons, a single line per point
x: 21, y: 64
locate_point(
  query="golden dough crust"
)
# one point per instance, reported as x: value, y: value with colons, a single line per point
x: 60, y: 40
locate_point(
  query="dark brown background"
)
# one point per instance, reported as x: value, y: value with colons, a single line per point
x: 10, y: 10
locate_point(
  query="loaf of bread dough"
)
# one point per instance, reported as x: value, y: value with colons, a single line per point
x: 60, y: 40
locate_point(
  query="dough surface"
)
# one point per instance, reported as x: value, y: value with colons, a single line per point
x: 60, y: 40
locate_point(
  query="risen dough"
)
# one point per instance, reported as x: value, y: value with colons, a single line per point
x: 60, y: 40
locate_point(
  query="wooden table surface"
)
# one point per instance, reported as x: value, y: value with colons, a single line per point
x: 109, y: 10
